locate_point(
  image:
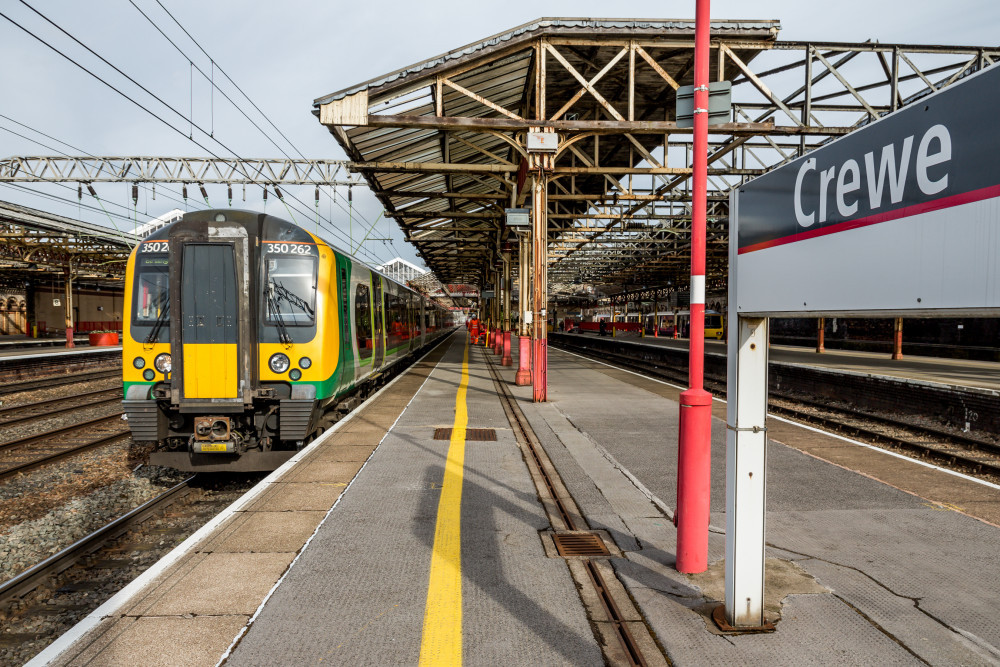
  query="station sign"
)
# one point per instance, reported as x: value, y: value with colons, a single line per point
x: 901, y: 216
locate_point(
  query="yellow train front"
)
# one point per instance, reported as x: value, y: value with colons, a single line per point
x: 245, y: 336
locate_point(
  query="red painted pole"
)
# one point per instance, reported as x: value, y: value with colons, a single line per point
x: 523, y: 376
x: 506, y: 359
x: 694, y: 458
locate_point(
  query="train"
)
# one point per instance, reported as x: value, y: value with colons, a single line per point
x: 245, y: 336
x: 665, y: 321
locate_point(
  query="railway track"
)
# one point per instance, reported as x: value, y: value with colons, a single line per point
x: 26, y: 453
x: 58, y: 406
x: 969, y: 455
x: 43, y: 602
x: 603, y: 606
x: 42, y: 573
x: 56, y: 381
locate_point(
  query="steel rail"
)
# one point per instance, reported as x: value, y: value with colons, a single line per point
x: 33, y: 577
x: 41, y: 383
x: 117, y: 394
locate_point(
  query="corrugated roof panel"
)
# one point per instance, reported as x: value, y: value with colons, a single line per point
x: 635, y: 28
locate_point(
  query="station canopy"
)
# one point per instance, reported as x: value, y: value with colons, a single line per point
x: 35, y: 244
x: 443, y: 143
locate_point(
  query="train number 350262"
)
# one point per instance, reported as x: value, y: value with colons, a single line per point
x: 289, y: 248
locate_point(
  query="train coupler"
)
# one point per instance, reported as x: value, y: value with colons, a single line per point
x: 214, y: 435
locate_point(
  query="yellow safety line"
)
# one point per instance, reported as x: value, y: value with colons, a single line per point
x: 442, y: 636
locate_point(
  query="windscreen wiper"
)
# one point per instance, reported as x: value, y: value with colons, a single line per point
x: 290, y: 297
x: 160, y: 320
x: 284, y: 337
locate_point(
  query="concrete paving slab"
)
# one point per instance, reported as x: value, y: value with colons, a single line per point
x: 221, y: 584
x: 297, y: 496
x: 152, y: 641
x: 267, y: 532
x: 318, y: 470
x: 348, y: 453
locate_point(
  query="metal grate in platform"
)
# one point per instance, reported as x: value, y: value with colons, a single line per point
x: 471, y: 434
x: 580, y: 544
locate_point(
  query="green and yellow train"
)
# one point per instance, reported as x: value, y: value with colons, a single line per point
x: 244, y: 334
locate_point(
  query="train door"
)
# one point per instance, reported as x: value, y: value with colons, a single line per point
x: 378, y: 327
x: 346, y: 330
x: 209, y: 316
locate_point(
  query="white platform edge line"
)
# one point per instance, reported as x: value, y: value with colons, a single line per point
x: 115, y: 602
x: 810, y: 428
x: 246, y: 627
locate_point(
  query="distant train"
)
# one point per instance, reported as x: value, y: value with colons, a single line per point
x: 665, y: 321
x: 243, y: 334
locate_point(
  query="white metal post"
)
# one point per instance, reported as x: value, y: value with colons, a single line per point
x: 746, y: 466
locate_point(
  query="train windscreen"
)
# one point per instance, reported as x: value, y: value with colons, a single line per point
x: 151, y: 291
x: 291, y: 291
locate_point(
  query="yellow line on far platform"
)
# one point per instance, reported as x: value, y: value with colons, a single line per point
x: 442, y: 635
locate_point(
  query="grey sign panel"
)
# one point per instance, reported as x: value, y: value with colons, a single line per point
x: 900, y: 216
x: 517, y: 217
x: 932, y: 154
x: 720, y: 95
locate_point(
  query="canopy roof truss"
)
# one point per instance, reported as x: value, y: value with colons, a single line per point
x: 443, y: 143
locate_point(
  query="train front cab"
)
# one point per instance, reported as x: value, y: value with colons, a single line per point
x: 223, y: 361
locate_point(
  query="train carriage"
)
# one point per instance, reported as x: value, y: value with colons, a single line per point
x: 244, y: 333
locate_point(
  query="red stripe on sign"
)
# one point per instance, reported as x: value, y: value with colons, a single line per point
x: 926, y: 207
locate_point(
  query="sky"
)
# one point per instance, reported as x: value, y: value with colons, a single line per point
x: 285, y: 55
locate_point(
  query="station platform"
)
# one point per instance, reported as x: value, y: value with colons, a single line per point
x: 952, y: 372
x: 358, y: 551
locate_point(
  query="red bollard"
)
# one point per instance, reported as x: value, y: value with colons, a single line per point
x: 69, y: 337
x: 523, y: 376
x: 497, y: 341
x: 506, y: 359
x: 694, y: 480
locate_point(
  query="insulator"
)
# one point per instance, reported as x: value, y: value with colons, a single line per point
x: 135, y: 194
x: 230, y: 191
x: 91, y: 190
x: 317, y: 195
x: 203, y: 193
x: 79, y: 191
x: 184, y: 191
x: 244, y: 192
x: 154, y: 191
x: 278, y: 192
x: 265, y: 194
x: 350, y: 193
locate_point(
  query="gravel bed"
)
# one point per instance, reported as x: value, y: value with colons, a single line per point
x: 34, y: 427
x: 47, y: 393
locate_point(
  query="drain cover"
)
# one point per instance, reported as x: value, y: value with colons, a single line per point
x: 471, y: 434
x: 580, y: 544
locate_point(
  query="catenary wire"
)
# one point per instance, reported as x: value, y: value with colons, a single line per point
x: 332, y: 230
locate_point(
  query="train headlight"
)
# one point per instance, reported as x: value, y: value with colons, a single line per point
x: 305, y: 362
x: 148, y: 374
x: 162, y: 363
x: 295, y: 374
x: 279, y: 362
x: 138, y: 362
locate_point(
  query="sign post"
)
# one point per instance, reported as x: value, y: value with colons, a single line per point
x: 900, y: 218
